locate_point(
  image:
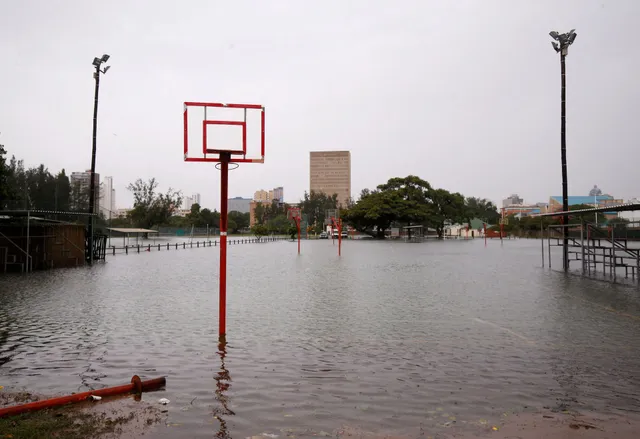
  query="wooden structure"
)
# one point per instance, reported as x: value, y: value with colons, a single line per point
x: 41, y: 246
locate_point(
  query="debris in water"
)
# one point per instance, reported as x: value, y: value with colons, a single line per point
x: 164, y: 401
x: 95, y: 398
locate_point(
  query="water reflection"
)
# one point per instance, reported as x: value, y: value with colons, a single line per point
x: 223, y: 380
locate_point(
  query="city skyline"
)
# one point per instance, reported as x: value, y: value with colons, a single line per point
x: 485, y: 117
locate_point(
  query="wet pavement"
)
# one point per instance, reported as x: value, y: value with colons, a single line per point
x: 390, y: 339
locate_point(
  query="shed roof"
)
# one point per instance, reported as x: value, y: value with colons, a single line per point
x: 130, y: 230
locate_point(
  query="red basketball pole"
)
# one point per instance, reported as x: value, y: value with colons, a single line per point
x: 485, y: 233
x: 339, y: 237
x: 298, y: 226
x: 225, y: 157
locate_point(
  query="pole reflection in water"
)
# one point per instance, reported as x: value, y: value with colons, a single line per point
x: 223, y: 380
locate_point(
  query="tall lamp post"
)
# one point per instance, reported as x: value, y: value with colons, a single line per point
x: 561, y: 46
x: 97, y: 62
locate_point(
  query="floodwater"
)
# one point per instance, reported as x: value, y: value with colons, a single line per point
x: 393, y: 338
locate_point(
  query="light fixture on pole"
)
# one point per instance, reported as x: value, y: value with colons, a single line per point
x: 561, y: 46
x: 97, y: 63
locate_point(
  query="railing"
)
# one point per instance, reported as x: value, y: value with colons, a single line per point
x: 597, y: 247
x: 140, y: 248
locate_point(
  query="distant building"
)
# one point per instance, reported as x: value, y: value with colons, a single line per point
x: 83, y: 180
x: 512, y: 200
x: 263, y: 196
x: 188, y: 202
x: 278, y: 194
x: 122, y: 213
x: 525, y: 210
x: 555, y: 203
x: 595, y: 191
x: 252, y: 210
x: 239, y: 204
x: 107, y: 198
x: 330, y: 173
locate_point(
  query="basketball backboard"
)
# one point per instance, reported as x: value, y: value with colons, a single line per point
x: 293, y: 213
x: 329, y: 214
x: 212, y: 129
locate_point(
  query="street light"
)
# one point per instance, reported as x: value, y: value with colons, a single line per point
x: 561, y: 46
x: 97, y: 62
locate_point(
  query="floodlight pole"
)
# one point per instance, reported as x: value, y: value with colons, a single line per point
x: 562, y: 47
x: 225, y: 158
x: 97, y: 62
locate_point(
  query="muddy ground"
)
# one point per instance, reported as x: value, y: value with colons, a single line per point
x: 120, y: 417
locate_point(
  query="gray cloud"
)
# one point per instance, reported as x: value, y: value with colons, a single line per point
x: 464, y: 94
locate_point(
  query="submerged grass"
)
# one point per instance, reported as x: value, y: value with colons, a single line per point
x: 76, y: 421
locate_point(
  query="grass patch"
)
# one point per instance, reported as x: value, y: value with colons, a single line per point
x: 76, y: 421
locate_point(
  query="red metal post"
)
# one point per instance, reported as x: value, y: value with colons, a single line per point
x: 485, y: 233
x: 224, y: 196
x: 339, y: 237
x: 298, y: 226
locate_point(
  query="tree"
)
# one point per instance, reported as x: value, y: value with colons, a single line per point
x: 240, y: 221
x: 483, y: 209
x: 315, y: 205
x: 259, y: 230
x: 6, y: 191
x: 373, y: 214
x: 151, y: 208
x: 411, y: 198
x: 279, y: 224
x: 259, y: 213
x: 445, y: 207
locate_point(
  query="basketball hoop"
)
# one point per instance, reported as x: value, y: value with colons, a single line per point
x: 232, y: 166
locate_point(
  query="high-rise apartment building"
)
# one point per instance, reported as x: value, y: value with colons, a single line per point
x: 107, y: 198
x: 278, y: 194
x: 80, y: 187
x: 263, y: 196
x: 188, y: 202
x: 330, y: 173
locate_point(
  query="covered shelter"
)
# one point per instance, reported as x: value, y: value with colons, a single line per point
x: 128, y: 231
x: 413, y: 233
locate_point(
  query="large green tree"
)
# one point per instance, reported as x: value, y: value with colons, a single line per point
x: 151, y: 208
x: 483, y: 209
x: 445, y: 207
x: 315, y: 205
x: 240, y: 221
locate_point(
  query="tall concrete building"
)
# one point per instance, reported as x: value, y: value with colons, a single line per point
x: 82, y: 180
x: 330, y: 173
x: 107, y: 198
x: 239, y: 204
x: 278, y: 194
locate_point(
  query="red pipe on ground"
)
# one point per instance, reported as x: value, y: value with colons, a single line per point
x: 136, y: 385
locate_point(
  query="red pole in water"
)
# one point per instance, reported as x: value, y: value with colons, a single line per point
x: 298, y: 226
x: 339, y: 237
x: 224, y: 192
x: 485, y: 233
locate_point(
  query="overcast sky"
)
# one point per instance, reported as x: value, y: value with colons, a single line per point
x: 465, y: 94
